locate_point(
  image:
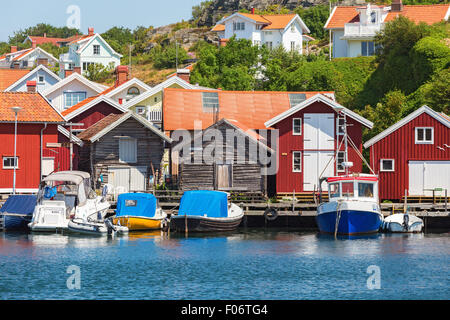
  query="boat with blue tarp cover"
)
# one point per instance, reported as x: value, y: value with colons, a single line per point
x: 17, y: 211
x: 139, y: 211
x: 206, y: 210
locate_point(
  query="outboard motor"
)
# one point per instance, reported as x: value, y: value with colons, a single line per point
x: 110, y: 226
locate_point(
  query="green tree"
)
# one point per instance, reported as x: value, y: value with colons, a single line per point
x: 315, y: 18
x: 98, y: 72
x: 165, y: 57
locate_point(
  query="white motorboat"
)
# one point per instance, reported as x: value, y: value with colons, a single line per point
x: 99, y: 228
x: 402, y: 223
x: 66, y: 195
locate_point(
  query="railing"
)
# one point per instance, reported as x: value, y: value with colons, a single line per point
x: 155, y: 115
x: 361, y: 30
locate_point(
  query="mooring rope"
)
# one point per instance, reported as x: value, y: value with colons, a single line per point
x: 338, y: 219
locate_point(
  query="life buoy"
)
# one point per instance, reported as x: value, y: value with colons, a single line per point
x: 270, y: 214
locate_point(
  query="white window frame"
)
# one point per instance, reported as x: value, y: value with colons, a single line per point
x: 385, y: 170
x: 338, y: 126
x: 293, y: 161
x: 337, y: 162
x: 10, y: 167
x: 424, y: 135
x: 140, y: 110
x: 134, y: 160
x: 293, y: 127
x: 93, y: 49
x: 43, y: 78
x: 293, y: 46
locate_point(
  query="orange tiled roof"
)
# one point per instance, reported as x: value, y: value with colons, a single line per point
x: 218, y: 27
x: 418, y: 13
x: 78, y: 38
x: 255, y: 17
x: 421, y: 13
x: 278, y: 21
x: 181, y: 107
x: 34, y: 108
x: 42, y: 40
x: 23, y: 54
x: 10, y: 76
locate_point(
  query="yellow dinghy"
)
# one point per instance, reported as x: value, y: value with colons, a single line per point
x: 138, y: 212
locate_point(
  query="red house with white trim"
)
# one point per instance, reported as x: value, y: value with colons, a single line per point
x: 310, y: 134
x: 37, y: 140
x: 412, y: 155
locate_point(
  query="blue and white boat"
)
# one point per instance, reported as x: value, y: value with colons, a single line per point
x: 352, y: 208
x: 17, y: 211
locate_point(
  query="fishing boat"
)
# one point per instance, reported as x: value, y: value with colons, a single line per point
x: 66, y: 195
x: 204, y: 210
x: 17, y: 211
x: 139, y: 211
x: 353, y: 205
x: 402, y: 223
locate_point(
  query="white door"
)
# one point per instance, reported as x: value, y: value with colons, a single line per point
x: 316, y: 163
x: 48, y: 166
x: 126, y: 179
x: 427, y: 175
x: 318, y: 131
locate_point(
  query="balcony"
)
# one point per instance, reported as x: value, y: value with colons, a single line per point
x: 155, y: 115
x: 360, y: 31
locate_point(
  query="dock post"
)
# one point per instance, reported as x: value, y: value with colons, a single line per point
x: 405, y: 201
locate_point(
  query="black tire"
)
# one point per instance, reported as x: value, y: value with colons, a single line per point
x: 270, y: 214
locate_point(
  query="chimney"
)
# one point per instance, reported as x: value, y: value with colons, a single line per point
x: 77, y: 70
x: 184, y: 74
x: 31, y: 86
x: 13, y: 49
x: 91, y: 31
x: 253, y: 10
x: 223, y: 42
x: 33, y: 44
x: 396, y: 6
x: 121, y: 75
x: 67, y: 73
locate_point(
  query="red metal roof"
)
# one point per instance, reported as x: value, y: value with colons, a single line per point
x: 182, y: 107
x: 34, y: 108
x: 418, y: 13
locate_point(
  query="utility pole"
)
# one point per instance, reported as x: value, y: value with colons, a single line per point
x: 131, y: 48
x: 70, y: 124
x: 176, y: 50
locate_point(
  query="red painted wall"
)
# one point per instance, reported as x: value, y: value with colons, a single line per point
x: 61, y: 155
x: 28, y: 152
x: 400, y: 146
x: 288, y: 181
x: 94, y: 114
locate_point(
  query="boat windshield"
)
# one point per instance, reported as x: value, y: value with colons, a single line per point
x: 348, y: 189
x: 334, y: 190
x: 365, y: 190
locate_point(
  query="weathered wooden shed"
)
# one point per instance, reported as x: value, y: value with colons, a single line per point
x: 225, y: 156
x: 124, y: 151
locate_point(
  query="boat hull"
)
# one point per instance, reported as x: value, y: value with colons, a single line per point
x: 396, y: 224
x: 351, y: 222
x: 204, y: 224
x: 82, y: 227
x: 138, y: 223
x: 16, y: 222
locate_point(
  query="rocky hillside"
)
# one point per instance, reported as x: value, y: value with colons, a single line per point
x: 218, y: 8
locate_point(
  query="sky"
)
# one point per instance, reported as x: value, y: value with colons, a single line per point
x: 99, y: 14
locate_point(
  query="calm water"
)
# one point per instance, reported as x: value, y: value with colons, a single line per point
x: 249, y: 264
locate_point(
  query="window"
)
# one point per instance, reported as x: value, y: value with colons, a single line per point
x: 238, y: 26
x: 340, y: 158
x: 25, y: 63
x: 340, y: 126
x: 373, y: 17
x: 72, y: 98
x: 140, y: 110
x: 365, y: 189
x: 269, y: 45
x: 297, y: 161
x: 296, y: 126
x: 132, y: 92
x: 210, y: 101
x: 10, y: 162
x: 41, y: 79
x: 128, y: 150
x: 367, y: 48
x: 296, y: 98
x: 86, y: 65
x: 387, y: 165
x: 257, y: 43
x: 424, y: 135
x: 96, y: 49
x: 156, y: 99
x: 292, y: 46
x: 242, y: 25
x: 348, y: 189
x: 333, y: 188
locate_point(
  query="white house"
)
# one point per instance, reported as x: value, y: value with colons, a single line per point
x: 72, y: 90
x: 353, y: 28
x: 87, y: 50
x: 270, y: 30
x: 40, y: 77
x: 27, y: 58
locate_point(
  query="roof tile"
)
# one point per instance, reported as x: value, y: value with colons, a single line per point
x: 10, y: 76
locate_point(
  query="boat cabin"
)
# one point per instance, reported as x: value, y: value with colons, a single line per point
x: 363, y: 187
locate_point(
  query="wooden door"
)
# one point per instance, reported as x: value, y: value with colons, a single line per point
x: 224, y: 176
